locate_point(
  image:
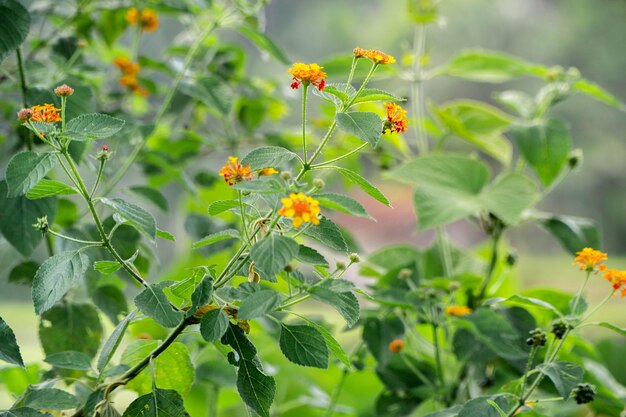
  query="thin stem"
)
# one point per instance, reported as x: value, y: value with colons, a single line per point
x: 596, y: 308
x: 49, y: 245
x: 63, y: 102
x: 495, y: 240
x: 72, y: 239
x: 24, y: 87
x: 352, y: 69
x: 98, y: 178
x: 294, y: 302
x: 339, y: 158
x: 529, y: 364
x: 334, y: 398
x: 214, y: 394
x: 365, y: 82
x: 438, y: 362
x: 318, y: 151
x: 304, y: 103
x: 444, y: 251
x: 417, y: 93
x: 244, y: 226
x: 580, y: 291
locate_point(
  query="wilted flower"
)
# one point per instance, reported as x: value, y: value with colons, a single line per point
x: 301, y: 208
x: 64, y: 90
x: 374, y: 56
x: 234, y: 172
x: 458, y: 311
x: 307, y: 74
x: 147, y: 19
x: 588, y: 258
x: 396, y: 118
x: 46, y: 114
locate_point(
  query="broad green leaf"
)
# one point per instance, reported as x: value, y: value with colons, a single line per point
x: 92, y: 126
x: 258, y: 304
x: 344, y: 302
x: 331, y: 342
x: 564, y: 375
x: 70, y: 327
x: 487, y: 66
x: 9, y: 350
x: 364, y: 125
x: 49, y: 399
x: 378, y: 332
x: 56, y: 276
x: 594, y: 91
x: 23, y: 412
x: 342, y: 203
x: 364, y: 184
x: 236, y: 338
x: 448, y: 412
x: 509, y: 196
x: 272, y: 254
x: 545, y: 145
x: 152, y: 195
x: 310, y: 256
x: 113, y: 342
x: 334, y: 93
x: 268, y: 156
x: 173, y: 367
x: 211, y: 91
x: 304, y: 345
x: 137, y: 217
x: 255, y: 388
x: 221, y: 206
x: 328, y: 234
x: 264, y: 43
x: 530, y: 301
x: 69, y: 360
x: 26, y: 169
x: 153, y: 302
x: 574, y: 233
x: 216, y: 237
x: 213, y: 325
x: 107, y: 267
x: 183, y: 289
x: 374, y: 94
x: 478, y: 123
x: 480, y: 406
x: 201, y: 295
x: 49, y: 188
x: 159, y: 403
x: 611, y: 326
x: 108, y: 410
x: 112, y: 301
x: 24, y: 273
x: 260, y: 186
x: 14, y: 26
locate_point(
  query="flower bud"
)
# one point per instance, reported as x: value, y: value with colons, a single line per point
x: 104, y: 153
x: 396, y: 346
x: 559, y: 328
x: 511, y: 258
x: 286, y: 175
x: 319, y: 183
x: 537, y: 338
x: 405, y: 273
x: 24, y: 114
x: 554, y: 73
x: 575, y: 158
x: 355, y: 258
x: 64, y: 90
x: 584, y: 393
x: 341, y: 265
x: 42, y: 224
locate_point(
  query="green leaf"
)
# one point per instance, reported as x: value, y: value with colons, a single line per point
x: 256, y: 389
x: 531, y: 302
x: 113, y: 342
x: 343, y: 204
x: 151, y: 194
x: 517, y: 101
x: 49, y: 399
x: 564, y: 375
x: 364, y: 125
x: 328, y: 234
x: 545, y: 145
x: 236, y: 338
x: 365, y: 186
x: 201, y: 295
x: 137, y: 217
x: 26, y: 169
x: 481, y: 406
x: 24, y: 273
x: 216, y: 237
x: 23, y: 412
x: 268, y: 156
x: 69, y: 360
x: 344, y: 302
x: 221, y: 206
x: 49, y: 188
x: 111, y: 300
x: 258, y: 304
x: 153, y: 302
x: 213, y: 325
x: 331, y: 342
x: 487, y: 66
x: 14, y: 26
x: 574, y: 233
x: 56, y: 276
x: 374, y: 94
x: 260, y: 186
x: 173, y: 367
x: 9, y: 350
x: 92, y: 126
x: 594, y: 91
x: 164, y: 234
x: 264, y: 43
x: 70, y: 327
x: 611, y: 326
x: 310, y: 256
x: 107, y: 267
x: 272, y: 254
x: 211, y: 91
x: 378, y: 332
x: 509, y: 196
x: 159, y: 403
x: 334, y: 93
x: 304, y: 345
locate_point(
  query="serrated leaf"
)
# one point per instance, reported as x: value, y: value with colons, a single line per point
x: 304, y: 345
x: 70, y: 327
x: 564, y: 375
x: 107, y: 267
x: 221, y: 206
x: 258, y: 304
x: 164, y: 234
x: 264, y: 43
x: 480, y: 406
x: 310, y: 256
x: 364, y: 184
x: 331, y: 342
x: 49, y: 399
x: 374, y: 94
x: 201, y: 295
x: 56, y: 276
x: 333, y: 93
x: 49, y: 188
x: 268, y: 156
x: 137, y: 217
x: 69, y: 360
x: 272, y: 254
x: 213, y: 325
x: 9, y: 350
x: 255, y: 388
x: 530, y: 301
x: 93, y: 126
x: 14, y: 26
x: 23, y: 412
x: 344, y: 302
x: 364, y: 125
x: 216, y: 237
x: 153, y: 302
x: 26, y: 169
x: 342, y: 203
x: 327, y: 233
x: 236, y: 338
x: 159, y: 403
x: 113, y: 342
x: 151, y: 194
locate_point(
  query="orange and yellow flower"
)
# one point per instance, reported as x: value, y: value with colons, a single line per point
x: 267, y: 171
x: 234, y: 171
x: 617, y: 279
x: 396, y: 345
x: 130, y: 70
x: 301, y: 209
x: 45, y: 114
x: 396, y: 118
x: 307, y: 74
x: 458, y: 311
x: 588, y: 259
x: 147, y: 19
x: 374, y: 56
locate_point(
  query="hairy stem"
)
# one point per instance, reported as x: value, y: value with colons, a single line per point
x: 417, y: 94
x: 304, y: 103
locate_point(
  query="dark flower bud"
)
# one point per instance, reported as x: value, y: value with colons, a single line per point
x: 560, y: 327
x: 584, y: 393
x: 537, y: 338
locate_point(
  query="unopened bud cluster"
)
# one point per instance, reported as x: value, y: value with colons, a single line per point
x: 64, y: 90
x: 584, y: 393
x: 537, y: 338
x: 104, y: 153
x: 42, y: 224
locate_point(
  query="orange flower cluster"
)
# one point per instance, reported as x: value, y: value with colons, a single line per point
x: 234, y: 171
x: 307, y: 74
x: 617, y: 279
x: 45, y: 114
x: 588, y: 259
x: 147, y: 19
x: 130, y: 70
x: 301, y: 208
x: 458, y: 311
x: 396, y: 118
x: 396, y: 345
x: 374, y: 56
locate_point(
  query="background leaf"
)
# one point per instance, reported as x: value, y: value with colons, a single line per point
x: 14, y: 26
x: 26, y: 169
x: 9, y: 350
x: 303, y: 345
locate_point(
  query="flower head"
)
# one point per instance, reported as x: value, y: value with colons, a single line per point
x: 588, y: 258
x: 127, y: 66
x: 396, y: 345
x: 617, y: 279
x: 24, y: 114
x: 374, y: 56
x: 234, y: 171
x: 396, y: 118
x: 458, y: 311
x: 130, y: 70
x: 147, y: 19
x: 307, y: 74
x: 46, y: 114
x: 301, y: 208
x: 64, y: 90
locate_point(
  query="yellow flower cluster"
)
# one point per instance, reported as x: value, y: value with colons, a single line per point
x: 301, y: 209
x: 147, y: 19
x: 234, y: 171
x: 130, y: 70
x: 396, y: 118
x: 307, y: 74
x: 458, y: 311
x: 374, y: 56
x: 588, y: 259
x: 46, y: 114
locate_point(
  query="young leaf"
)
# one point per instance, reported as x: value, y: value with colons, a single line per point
x: 56, y: 276
x: 343, y: 204
x: 151, y: 194
x: 272, y: 254
x: 201, y: 295
x: 160, y: 402
x: 49, y: 399
x: 594, y: 91
x: 221, y: 206
x: 164, y: 234
x: 374, y: 94
x: 14, y: 26
x: 564, y: 375
x: 258, y: 304
x: 365, y: 186
x: 154, y: 303
x: 344, y: 302
x: 574, y: 233
x: 69, y: 360
x: 26, y: 169
x: 93, y: 126
x: 256, y: 389
x: 216, y: 237
x: 264, y: 43
x: 213, y: 325
x: 611, y: 326
x: 304, y: 345
x: 310, y: 256
x: 333, y: 93
x: 480, y: 407
x: 9, y: 350
x: 268, y: 156
x: 137, y: 217
x: 364, y: 125
x: 328, y: 234
x: 114, y: 340
x: 107, y: 267
x: 49, y: 188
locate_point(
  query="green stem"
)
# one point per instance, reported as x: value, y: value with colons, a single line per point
x: 596, y: 308
x: 529, y: 363
x: 214, y: 394
x: 62, y: 236
x: 417, y: 95
x: 580, y: 291
x: 294, y: 302
x: 244, y: 226
x: 495, y: 241
x: 365, y: 82
x: 304, y: 103
x: 318, y: 151
x: 438, y: 362
x: 444, y: 251
x: 49, y: 245
x: 63, y: 102
x: 339, y: 158
x: 24, y: 87
x: 352, y: 69
x: 98, y: 178
x: 336, y: 393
